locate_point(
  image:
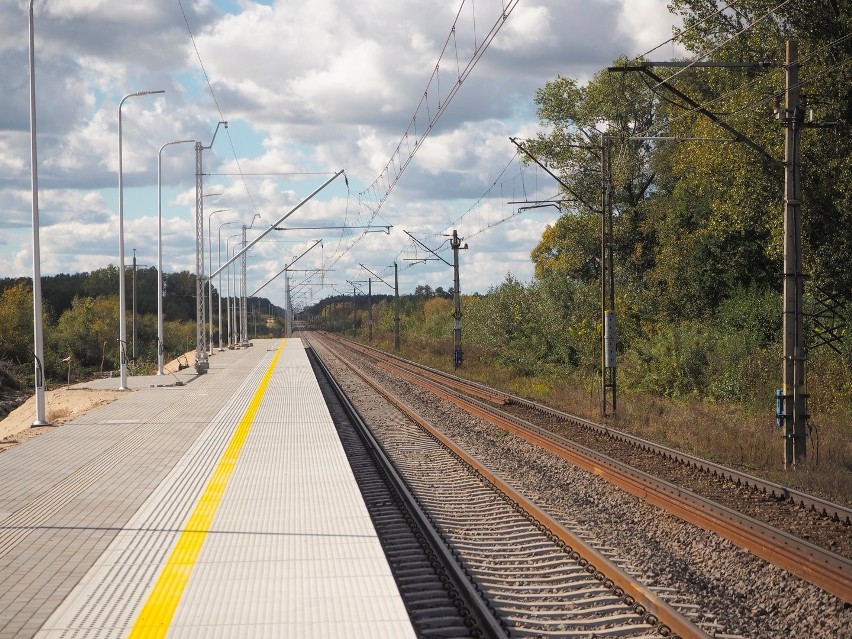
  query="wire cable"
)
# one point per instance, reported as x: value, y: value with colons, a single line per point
x: 218, y: 109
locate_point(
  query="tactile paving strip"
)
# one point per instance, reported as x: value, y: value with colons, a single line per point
x: 74, y: 523
x: 290, y: 552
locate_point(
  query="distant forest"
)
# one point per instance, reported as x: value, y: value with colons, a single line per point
x: 80, y: 313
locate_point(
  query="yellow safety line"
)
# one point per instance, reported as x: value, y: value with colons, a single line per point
x: 159, y: 609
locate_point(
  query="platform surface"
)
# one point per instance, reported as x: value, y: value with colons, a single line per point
x: 224, y: 507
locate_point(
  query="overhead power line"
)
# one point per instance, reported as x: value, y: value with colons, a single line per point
x: 451, y: 70
x: 218, y: 109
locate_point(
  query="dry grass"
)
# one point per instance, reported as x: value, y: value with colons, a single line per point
x: 59, y: 415
x: 741, y: 437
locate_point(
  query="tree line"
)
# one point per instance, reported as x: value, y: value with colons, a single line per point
x: 81, y: 323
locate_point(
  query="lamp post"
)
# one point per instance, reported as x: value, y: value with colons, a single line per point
x: 122, y: 320
x: 210, y: 279
x: 160, y: 253
x: 228, y: 277
x: 38, y: 344
x: 219, y: 253
x: 238, y: 305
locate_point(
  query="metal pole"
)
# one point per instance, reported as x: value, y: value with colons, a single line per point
x: 201, y: 361
x: 219, y: 263
x: 608, y: 317
x: 395, y: 307
x: 133, y: 317
x: 219, y: 258
x: 236, y: 304
x: 288, y: 326
x: 122, y: 319
x: 210, y: 279
x: 243, y: 298
x: 160, y: 344
x: 38, y: 337
x: 160, y: 261
x: 458, y: 355
x: 237, y: 298
x: 228, y: 280
x: 369, y: 309
x: 210, y: 283
x: 794, y: 397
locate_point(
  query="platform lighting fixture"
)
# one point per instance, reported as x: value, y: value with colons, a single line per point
x: 160, y: 253
x: 210, y: 279
x: 38, y: 336
x: 122, y: 320
x: 219, y: 254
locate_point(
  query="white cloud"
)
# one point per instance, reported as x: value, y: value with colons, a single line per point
x: 308, y: 87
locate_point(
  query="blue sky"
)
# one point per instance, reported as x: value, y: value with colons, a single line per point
x: 308, y: 88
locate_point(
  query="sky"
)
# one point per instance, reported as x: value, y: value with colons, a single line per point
x: 414, y: 100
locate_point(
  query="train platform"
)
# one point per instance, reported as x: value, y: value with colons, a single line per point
x: 222, y: 506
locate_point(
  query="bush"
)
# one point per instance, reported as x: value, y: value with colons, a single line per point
x: 672, y: 361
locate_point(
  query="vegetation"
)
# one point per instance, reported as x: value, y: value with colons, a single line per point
x: 698, y: 238
x: 81, y: 325
x: 698, y: 242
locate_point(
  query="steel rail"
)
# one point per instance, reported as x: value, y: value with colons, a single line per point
x: 821, y: 567
x: 646, y: 603
x: 487, y: 625
x: 827, y: 508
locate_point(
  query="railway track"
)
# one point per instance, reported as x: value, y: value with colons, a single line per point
x: 439, y: 598
x: 797, y: 532
x: 537, y: 577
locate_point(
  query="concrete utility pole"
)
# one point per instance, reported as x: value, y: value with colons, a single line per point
x: 793, y: 398
x: 354, y: 313
x: 455, y: 244
x: 608, y: 334
x: 458, y: 354
x: 369, y: 309
x: 395, y: 307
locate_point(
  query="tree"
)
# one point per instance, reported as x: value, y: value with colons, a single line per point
x: 424, y: 290
x: 576, y: 118
x: 16, y: 323
x: 87, y: 332
x: 179, y: 302
x: 748, y: 197
x: 58, y: 291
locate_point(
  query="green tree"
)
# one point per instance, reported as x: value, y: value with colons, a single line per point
x: 16, y: 323
x: 87, y: 333
x: 576, y: 117
x: 744, y: 196
x: 102, y: 282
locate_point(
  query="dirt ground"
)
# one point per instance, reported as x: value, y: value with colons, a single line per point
x: 63, y: 405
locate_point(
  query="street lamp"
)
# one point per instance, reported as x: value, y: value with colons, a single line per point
x: 227, y: 256
x: 160, y: 253
x: 210, y: 279
x: 38, y: 337
x: 122, y: 321
x: 219, y: 253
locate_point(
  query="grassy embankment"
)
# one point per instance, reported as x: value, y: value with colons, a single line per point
x: 742, y: 437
